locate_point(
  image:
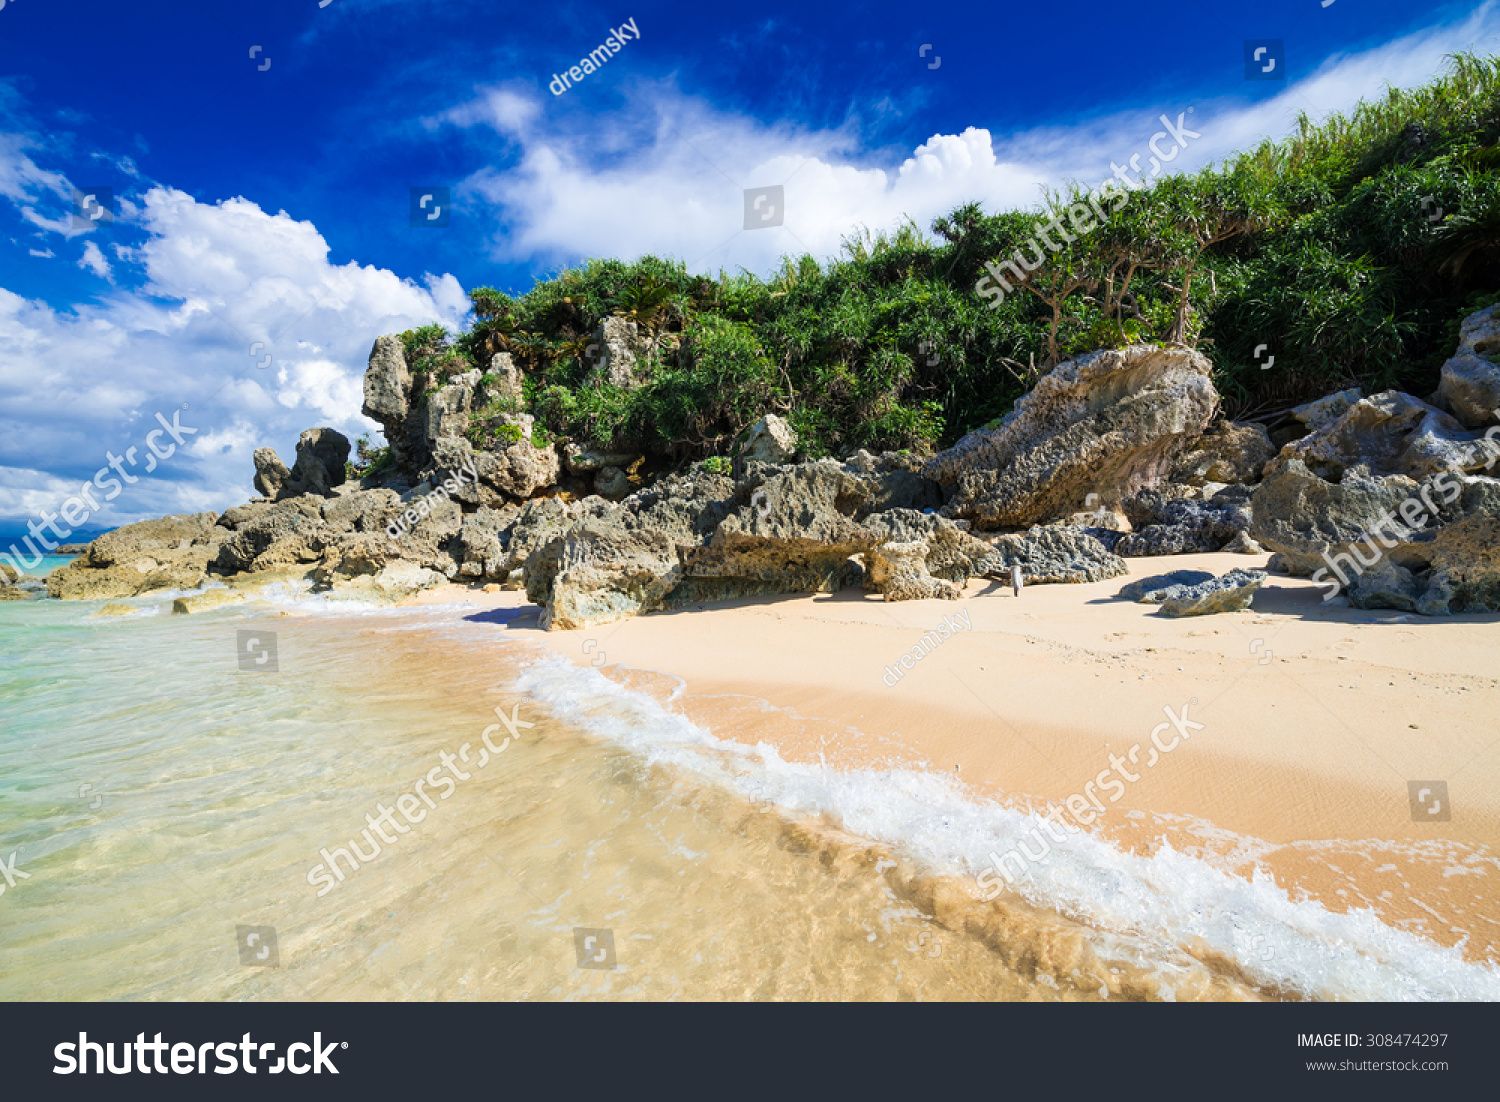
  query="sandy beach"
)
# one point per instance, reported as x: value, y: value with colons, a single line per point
x: 1314, y: 720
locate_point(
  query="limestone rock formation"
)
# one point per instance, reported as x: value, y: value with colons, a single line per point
x: 1230, y: 593
x: 271, y: 474
x: 1227, y: 453
x: 1109, y: 423
x: 899, y: 571
x: 1160, y: 587
x: 1058, y: 553
x: 170, y: 552
x: 1470, y: 385
x: 1390, y: 541
x: 1174, y: 526
x: 1390, y: 433
x: 769, y: 440
x: 616, y: 348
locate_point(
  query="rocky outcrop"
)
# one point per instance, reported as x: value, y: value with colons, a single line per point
x: 322, y: 455
x: 1168, y: 525
x: 1161, y: 587
x: 616, y: 349
x: 701, y: 536
x: 1230, y: 593
x: 899, y: 572
x: 1227, y: 453
x: 1388, y: 541
x: 1470, y: 381
x: 1317, y: 415
x: 1389, y: 433
x: 769, y: 440
x: 171, y: 552
x: 1109, y: 423
x: 1057, y: 553
x: 388, y: 400
x: 271, y: 474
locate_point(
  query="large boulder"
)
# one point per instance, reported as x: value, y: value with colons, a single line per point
x: 271, y: 474
x: 1390, y: 433
x: 899, y: 572
x: 1470, y: 381
x: 1387, y: 541
x: 1230, y: 593
x: 1165, y: 525
x: 1227, y: 453
x: 170, y: 552
x: 1162, y: 587
x: 388, y: 400
x: 322, y: 460
x: 1058, y: 553
x: 1109, y: 423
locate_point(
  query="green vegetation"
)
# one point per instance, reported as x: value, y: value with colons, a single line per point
x: 369, y: 459
x: 1352, y: 249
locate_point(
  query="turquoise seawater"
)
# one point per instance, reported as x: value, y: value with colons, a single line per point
x: 173, y: 790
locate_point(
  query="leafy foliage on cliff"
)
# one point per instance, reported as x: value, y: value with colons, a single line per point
x: 1351, y: 249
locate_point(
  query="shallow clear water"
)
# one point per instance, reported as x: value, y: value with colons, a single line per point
x: 156, y: 797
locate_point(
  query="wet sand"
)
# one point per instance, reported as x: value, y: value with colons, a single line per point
x: 1314, y: 720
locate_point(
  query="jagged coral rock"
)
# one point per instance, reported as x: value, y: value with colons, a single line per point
x: 1109, y: 423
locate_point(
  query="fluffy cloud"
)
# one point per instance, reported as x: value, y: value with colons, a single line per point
x: 665, y: 173
x: 228, y: 288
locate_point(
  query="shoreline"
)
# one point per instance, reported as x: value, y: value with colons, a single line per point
x: 1312, y: 718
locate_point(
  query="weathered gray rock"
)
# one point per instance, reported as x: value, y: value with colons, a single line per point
x: 322, y: 456
x: 769, y: 440
x: 1109, y: 423
x: 1227, y: 453
x: 271, y: 474
x: 171, y: 552
x: 392, y: 583
x: 1242, y: 544
x: 388, y: 400
x: 1325, y: 411
x: 700, y: 537
x: 1431, y: 547
x: 616, y: 349
x: 484, y: 542
x: 1470, y: 381
x: 584, y: 460
x: 1056, y: 553
x: 1174, y: 526
x: 515, y: 472
x: 1390, y: 433
x: 1230, y: 593
x: 1160, y: 587
x: 899, y: 572
x: 612, y: 484
x: 290, y: 532
x: 504, y: 385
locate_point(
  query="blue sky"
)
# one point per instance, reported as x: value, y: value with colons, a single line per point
x: 264, y: 210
